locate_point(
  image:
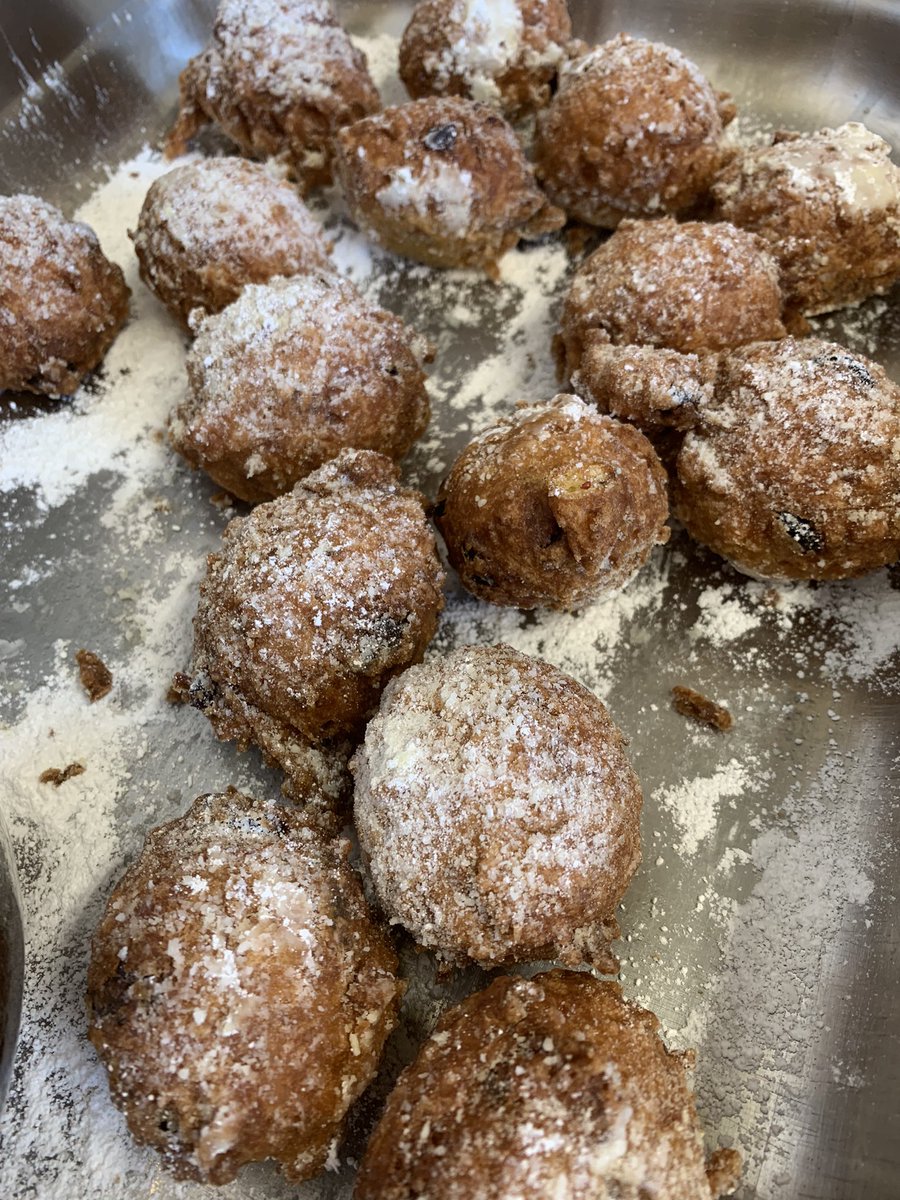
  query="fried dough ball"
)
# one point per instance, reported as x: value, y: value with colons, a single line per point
x: 551, y: 1086
x: 239, y: 992
x: 291, y: 373
x: 689, y: 287
x: 552, y: 507
x: 62, y: 302
x: 828, y: 204
x: 443, y: 181
x: 315, y: 600
x: 791, y: 464
x: 505, y: 53
x: 279, y: 77
x: 497, y: 810
x: 634, y: 131
x: 209, y: 228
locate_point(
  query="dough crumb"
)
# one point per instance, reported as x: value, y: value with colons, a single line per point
x: 96, y: 677
x: 58, y: 777
x: 701, y: 709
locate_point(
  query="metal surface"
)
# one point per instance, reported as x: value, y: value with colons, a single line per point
x: 800, y: 1033
x: 12, y: 960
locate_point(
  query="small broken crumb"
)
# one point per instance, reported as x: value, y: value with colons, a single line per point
x: 222, y: 499
x: 57, y: 777
x: 96, y: 677
x: 179, y: 688
x: 699, y: 708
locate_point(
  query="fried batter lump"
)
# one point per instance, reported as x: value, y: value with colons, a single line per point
x: 551, y: 1086
x: 505, y: 53
x: 635, y: 130
x: 279, y: 77
x: 62, y: 302
x: 239, y: 992
x: 497, y: 810
x: 443, y: 181
x: 315, y: 600
x: 552, y: 507
x: 828, y: 204
x: 790, y: 466
x: 290, y: 374
x: 689, y: 287
x: 209, y: 228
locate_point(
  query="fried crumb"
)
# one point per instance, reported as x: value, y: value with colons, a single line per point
x: 57, y: 777
x: 222, y: 499
x: 96, y: 677
x: 701, y: 709
x: 179, y: 688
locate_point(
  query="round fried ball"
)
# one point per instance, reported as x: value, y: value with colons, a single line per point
x: 505, y: 53
x: 828, y: 204
x: 793, y: 469
x: 279, y: 77
x: 315, y: 600
x: 689, y: 287
x: 62, y: 302
x: 497, y: 810
x: 552, y: 507
x: 239, y: 992
x: 443, y: 181
x: 544, y: 1087
x: 634, y: 130
x: 290, y: 374
x: 209, y: 228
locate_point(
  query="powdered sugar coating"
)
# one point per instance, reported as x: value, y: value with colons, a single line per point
x: 497, y: 810
x: 552, y: 507
x: 828, y: 204
x: 290, y: 374
x: 280, y: 77
x: 504, y: 53
x: 634, y: 130
x: 237, y: 933
x: 315, y: 601
x: 444, y: 181
x: 554, y: 1087
x: 793, y: 468
x: 210, y: 227
x: 691, y: 286
x: 62, y: 301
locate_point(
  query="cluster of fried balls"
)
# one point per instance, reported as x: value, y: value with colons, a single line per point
x: 241, y: 989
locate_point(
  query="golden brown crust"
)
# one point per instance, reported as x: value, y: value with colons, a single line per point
x: 315, y: 600
x: 544, y: 1087
x: 828, y: 205
x: 506, y: 54
x: 443, y: 181
x: 279, y: 77
x: 290, y: 374
x: 62, y: 302
x: 497, y: 810
x: 634, y: 130
x: 689, y: 287
x: 552, y: 507
x: 793, y: 469
x: 209, y: 228
x: 239, y: 993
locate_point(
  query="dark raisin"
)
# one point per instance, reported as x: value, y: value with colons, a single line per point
x: 202, y: 692
x: 854, y: 366
x: 439, y: 509
x: 441, y: 137
x: 804, y: 533
x: 482, y: 581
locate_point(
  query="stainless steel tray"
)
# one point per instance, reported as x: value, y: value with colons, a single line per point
x: 762, y: 926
